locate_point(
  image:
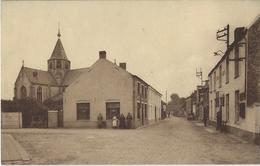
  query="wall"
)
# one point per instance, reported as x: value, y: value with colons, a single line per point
x: 253, y: 73
x: 22, y: 80
x: 10, y: 120
x: 248, y: 124
x: 104, y: 82
x: 52, y: 119
x: 142, y: 99
x: 154, y: 104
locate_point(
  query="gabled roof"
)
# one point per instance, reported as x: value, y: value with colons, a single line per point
x: 39, y: 76
x: 72, y: 75
x: 58, y: 52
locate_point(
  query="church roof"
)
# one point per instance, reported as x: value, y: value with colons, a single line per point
x: 39, y: 76
x: 58, y: 52
x: 72, y: 75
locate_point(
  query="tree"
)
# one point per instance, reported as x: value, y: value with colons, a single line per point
x: 175, y: 105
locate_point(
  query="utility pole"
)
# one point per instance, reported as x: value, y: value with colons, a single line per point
x: 223, y: 33
x: 199, y: 75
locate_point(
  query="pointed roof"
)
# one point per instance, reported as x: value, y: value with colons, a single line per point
x: 58, y: 52
x: 39, y: 76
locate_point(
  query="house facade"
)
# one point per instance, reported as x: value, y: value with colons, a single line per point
x: 234, y: 84
x: 110, y: 90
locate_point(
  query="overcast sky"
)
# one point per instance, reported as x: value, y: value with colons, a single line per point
x: 163, y: 42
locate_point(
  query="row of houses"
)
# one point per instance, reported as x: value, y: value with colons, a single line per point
x: 233, y: 87
x: 75, y: 97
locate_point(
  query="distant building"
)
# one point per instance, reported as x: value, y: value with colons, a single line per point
x: 163, y: 110
x: 111, y: 90
x: 234, y: 84
x: 202, y: 101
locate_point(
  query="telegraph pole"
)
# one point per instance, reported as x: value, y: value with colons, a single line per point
x: 199, y: 75
x: 223, y: 33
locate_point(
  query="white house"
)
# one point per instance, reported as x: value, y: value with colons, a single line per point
x: 108, y: 89
x: 234, y: 84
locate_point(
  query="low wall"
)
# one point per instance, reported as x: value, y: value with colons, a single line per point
x: 11, y: 120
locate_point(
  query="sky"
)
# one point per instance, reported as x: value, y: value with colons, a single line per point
x: 163, y: 42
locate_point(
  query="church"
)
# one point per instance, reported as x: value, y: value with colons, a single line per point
x: 78, y: 96
x: 47, y: 85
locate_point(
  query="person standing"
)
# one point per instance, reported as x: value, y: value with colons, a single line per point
x: 100, y: 120
x: 122, y: 121
x: 129, y: 119
x: 114, y: 122
x: 219, y: 119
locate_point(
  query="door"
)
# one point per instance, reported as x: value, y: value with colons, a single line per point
x: 142, y: 115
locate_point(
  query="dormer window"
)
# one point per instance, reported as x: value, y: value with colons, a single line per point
x: 35, y: 74
x: 58, y: 64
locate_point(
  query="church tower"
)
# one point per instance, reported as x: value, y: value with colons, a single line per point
x: 58, y: 64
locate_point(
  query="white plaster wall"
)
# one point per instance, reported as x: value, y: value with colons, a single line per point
x: 234, y: 84
x: 154, y: 100
x: 104, y: 82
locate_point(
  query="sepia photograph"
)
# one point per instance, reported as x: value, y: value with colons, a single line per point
x: 115, y: 82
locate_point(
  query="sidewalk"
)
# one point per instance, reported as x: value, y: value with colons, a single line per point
x: 12, y: 151
x: 212, y: 129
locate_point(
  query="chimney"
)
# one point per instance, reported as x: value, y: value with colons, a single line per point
x: 122, y: 65
x: 102, y: 54
x: 238, y: 34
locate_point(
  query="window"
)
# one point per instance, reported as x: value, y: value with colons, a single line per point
x: 214, y: 111
x: 236, y: 106
x: 138, y: 110
x: 155, y: 115
x: 227, y: 69
x: 23, y: 92
x: 236, y: 61
x: 142, y: 90
x: 112, y: 109
x: 145, y: 92
x: 145, y: 111
x: 227, y: 107
x: 83, y: 111
x: 214, y: 80
x: 138, y: 88
x: 66, y: 66
x: 210, y: 82
x: 242, y: 110
x: 39, y: 94
x: 220, y: 76
x: 211, y: 109
x: 58, y: 64
x: 50, y: 65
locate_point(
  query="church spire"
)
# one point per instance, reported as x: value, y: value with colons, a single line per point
x: 59, y: 30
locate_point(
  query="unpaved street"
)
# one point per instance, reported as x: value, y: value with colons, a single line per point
x: 173, y: 141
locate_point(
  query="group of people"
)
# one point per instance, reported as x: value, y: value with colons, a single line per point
x: 122, y: 122
x: 117, y: 121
